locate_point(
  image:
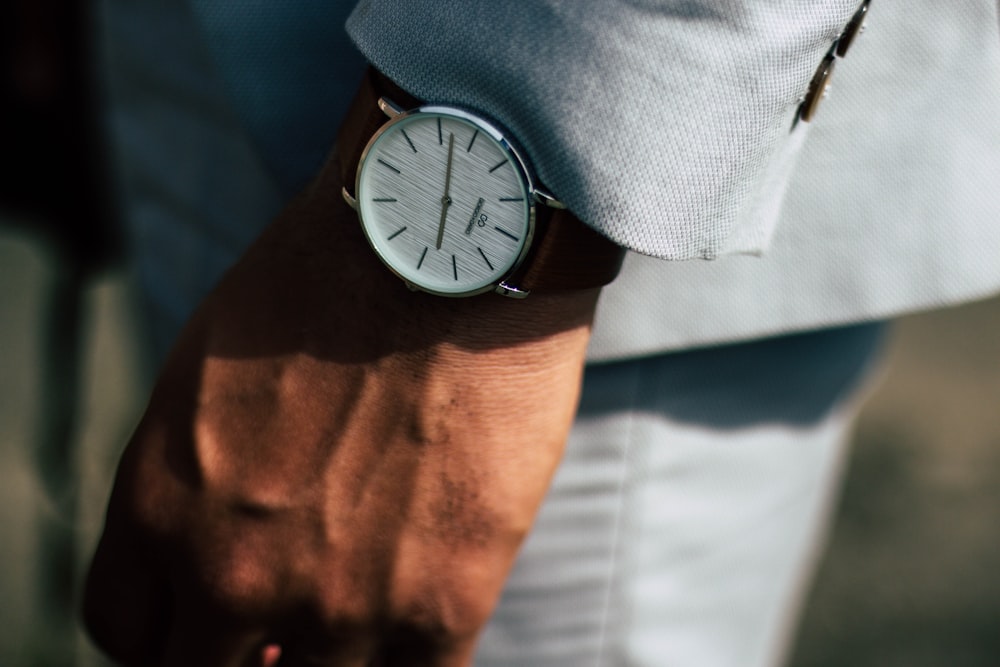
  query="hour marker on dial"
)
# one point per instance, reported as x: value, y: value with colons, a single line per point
x: 386, y: 164
x: 485, y: 258
x: 507, y: 234
x: 408, y: 140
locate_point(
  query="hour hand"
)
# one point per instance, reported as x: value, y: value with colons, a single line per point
x: 446, y: 198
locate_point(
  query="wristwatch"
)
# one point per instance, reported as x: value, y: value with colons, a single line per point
x: 449, y: 204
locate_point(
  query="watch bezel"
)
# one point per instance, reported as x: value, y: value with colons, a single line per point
x: 522, y: 171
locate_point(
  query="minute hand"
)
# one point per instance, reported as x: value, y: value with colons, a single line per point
x: 446, y: 199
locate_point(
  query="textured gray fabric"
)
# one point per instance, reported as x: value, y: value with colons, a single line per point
x: 659, y: 123
x: 666, y: 125
x: 893, y: 205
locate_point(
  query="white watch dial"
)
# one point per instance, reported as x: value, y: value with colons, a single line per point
x: 444, y: 201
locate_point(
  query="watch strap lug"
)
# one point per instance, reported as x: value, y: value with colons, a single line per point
x: 506, y: 289
x: 349, y: 198
x: 546, y: 199
x: 389, y: 108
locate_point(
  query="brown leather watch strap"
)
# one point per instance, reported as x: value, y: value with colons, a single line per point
x: 566, y: 254
x: 364, y: 118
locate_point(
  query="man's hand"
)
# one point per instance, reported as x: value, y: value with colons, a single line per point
x: 333, y: 470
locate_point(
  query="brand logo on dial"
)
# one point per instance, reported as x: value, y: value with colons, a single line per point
x: 444, y: 202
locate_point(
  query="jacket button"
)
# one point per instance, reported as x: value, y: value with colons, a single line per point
x: 817, y: 89
x: 820, y: 82
x: 853, y: 29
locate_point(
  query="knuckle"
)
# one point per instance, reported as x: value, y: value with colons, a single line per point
x: 443, y: 615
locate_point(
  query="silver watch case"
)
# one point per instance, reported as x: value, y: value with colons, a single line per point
x: 536, y: 196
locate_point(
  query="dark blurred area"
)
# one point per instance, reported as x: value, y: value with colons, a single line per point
x: 54, y: 191
x: 53, y: 171
x: 909, y: 578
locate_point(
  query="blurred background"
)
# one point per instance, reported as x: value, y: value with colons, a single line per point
x: 908, y: 579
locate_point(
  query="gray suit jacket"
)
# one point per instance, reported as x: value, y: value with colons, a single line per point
x: 666, y: 126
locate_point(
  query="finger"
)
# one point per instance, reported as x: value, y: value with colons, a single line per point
x: 284, y: 656
x: 304, y: 642
x: 405, y: 649
x: 125, y: 606
x: 270, y: 655
x: 197, y: 639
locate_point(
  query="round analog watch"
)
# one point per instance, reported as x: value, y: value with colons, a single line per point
x: 445, y: 201
x: 450, y: 206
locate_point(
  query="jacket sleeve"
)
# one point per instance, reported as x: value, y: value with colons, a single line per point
x: 664, y: 124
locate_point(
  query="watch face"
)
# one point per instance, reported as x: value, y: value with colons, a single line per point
x: 445, y: 201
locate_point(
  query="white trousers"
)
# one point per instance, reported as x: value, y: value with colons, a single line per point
x: 684, y: 523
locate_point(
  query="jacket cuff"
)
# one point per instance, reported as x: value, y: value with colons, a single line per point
x: 666, y: 128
